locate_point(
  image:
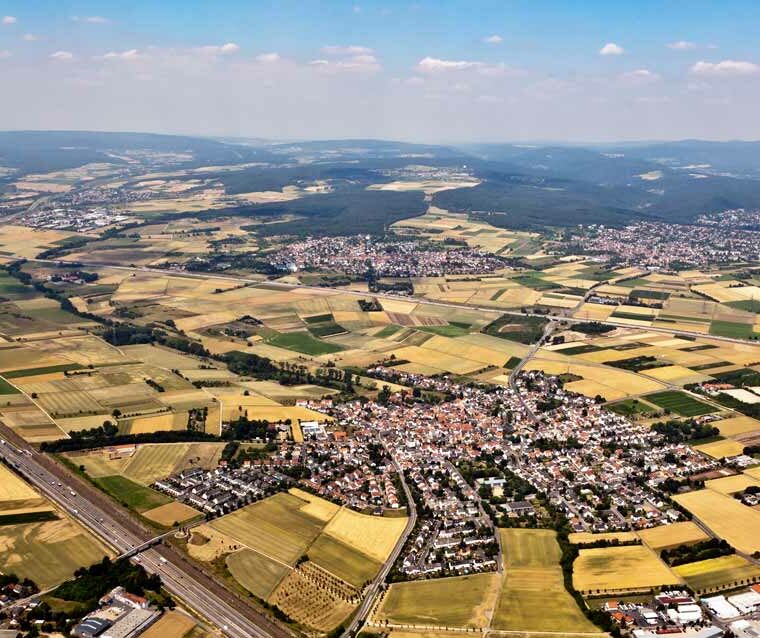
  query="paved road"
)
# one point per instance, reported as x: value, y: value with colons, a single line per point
x: 180, y: 577
x: 376, y: 586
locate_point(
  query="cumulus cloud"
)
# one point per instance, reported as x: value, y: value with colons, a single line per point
x: 219, y: 49
x: 639, y: 75
x: 9, y: 20
x: 61, y: 55
x: 611, y: 49
x: 493, y: 39
x: 352, y: 49
x: 436, y: 65
x: 129, y: 54
x: 268, y: 57
x: 90, y: 19
x: 682, y: 45
x: 725, y: 68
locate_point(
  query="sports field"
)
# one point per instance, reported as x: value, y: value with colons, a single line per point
x: 463, y: 601
x: 726, y: 517
x: 533, y: 595
x: 680, y: 403
x: 718, y: 573
x: 618, y: 569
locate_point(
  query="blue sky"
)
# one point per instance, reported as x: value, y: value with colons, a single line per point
x: 432, y: 71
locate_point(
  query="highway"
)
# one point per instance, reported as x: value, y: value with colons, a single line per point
x: 184, y: 581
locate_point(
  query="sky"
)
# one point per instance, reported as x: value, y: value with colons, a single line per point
x: 430, y: 71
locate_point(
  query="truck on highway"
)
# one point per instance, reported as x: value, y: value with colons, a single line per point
x: 72, y: 492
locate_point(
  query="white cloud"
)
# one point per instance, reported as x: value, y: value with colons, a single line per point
x: 682, y: 45
x: 219, y: 49
x: 366, y: 63
x: 352, y: 49
x: 29, y: 37
x: 725, y: 68
x: 5, y: 54
x: 61, y: 55
x: 90, y: 19
x: 611, y: 49
x: 320, y: 62
x: 436, y: 65
x: 493, y: 39
x: 130, y: 54
x: 268, y: 57
x: 639, y: 75
x: 9, y: 20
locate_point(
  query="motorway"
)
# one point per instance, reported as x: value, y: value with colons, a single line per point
x: 183, y: 580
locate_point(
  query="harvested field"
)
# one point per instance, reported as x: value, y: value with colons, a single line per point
x: 721, y: 449
x: 533, y: 595
x: 725, y: 572
x: 586, y: 538
x: 374, y: 536
x: 172, y: 624
x: 257, y: 573
x: 732, y: 484
x: 315, y: 506
x: 276, y: 527
x: 619, y: 569
x: 13, y: 489
x: 171, y: 514
x: 737, y: 425
x: 463, y: 601
x: 725, y: 517
x: 673, y: 535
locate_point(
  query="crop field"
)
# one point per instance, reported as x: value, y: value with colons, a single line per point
x: 463, y: 601
x: 374, y: 536
x: 171, y: 514
x: 48, y: 552
x: 14, y: 491
x: 726, y: 517
x: 725, y: 572
x: 131, y: 494
x: 303, y: 342
x: 276, y: 527
x: 680, y: 403
x: 533, y: 595
x: 257, y: 573
x: 342, y: 560
x: 619, y: 569
x: 721, y: 449
x: 172, y: 624
x: 732, y: 484
x: 673, y: 535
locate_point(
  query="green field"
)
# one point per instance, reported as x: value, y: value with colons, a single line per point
x: 388, y: 331
x: 532, y: 280
x: 448, y: 602
x: 28, y: 372
x: 445, y: 331
x: 303, y: 342
x: 319, y: 318
x: 718, y: 573
x: 7, y: 388
x: 12, y: 288
x: 257, y: 573
x: 134, y: 496
x: 342, y: 560
x: 533, y: 595
x: 275, y: 527
x: 732, y: 329
x: 750, y: 305
x: 27, y: 517
x: 629, y: 407
x: 679, y: 402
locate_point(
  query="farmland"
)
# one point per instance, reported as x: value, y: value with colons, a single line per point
x: 726, y: 572
x: 680, y: 403
x: 451, y: 602
x: 620, y: 569
x: 533, y: 595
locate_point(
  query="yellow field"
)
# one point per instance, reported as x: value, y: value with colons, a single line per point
x: 172, y: 624
x: 13, y: 488
x: 718, y: 573
x: 673, y: 535
x: 721, y: 449
x: 374, y: 536
x: 726, y: 517
x: 317, y: 507
x: 627, y: 568
x: 171, y: 513
x: 737, y: 425
x: 732, y: 484
x: 586, y: 538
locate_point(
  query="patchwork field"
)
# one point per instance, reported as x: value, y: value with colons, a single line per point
x: 533, y: 595
x: 620, y: 569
